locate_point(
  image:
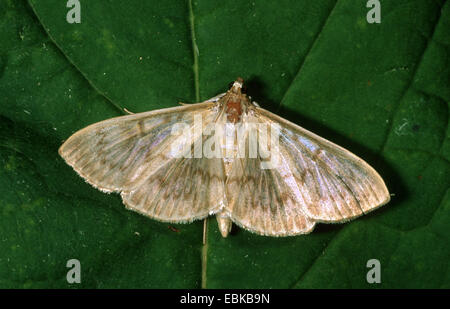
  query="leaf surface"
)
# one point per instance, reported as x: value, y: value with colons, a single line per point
x: 379, y: 90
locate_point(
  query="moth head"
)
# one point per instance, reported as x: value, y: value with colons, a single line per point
x: 237, y: 87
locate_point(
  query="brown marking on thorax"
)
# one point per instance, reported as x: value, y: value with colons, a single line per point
x: 234, y: 111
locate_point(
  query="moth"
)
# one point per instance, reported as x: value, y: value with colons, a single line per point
x: 168, y: 175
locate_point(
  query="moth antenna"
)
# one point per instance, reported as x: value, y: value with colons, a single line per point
x: 128, y: 112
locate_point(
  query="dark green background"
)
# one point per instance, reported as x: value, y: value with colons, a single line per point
x: 380, y: 90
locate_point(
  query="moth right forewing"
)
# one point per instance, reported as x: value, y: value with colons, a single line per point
x: 335, y: 184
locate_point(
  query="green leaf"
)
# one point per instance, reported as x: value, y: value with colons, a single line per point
x: 379, y: 90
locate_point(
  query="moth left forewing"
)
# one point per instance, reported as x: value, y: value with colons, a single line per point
x: 334, y: 184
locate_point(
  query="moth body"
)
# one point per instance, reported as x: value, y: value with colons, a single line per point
x: 234, y: 105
